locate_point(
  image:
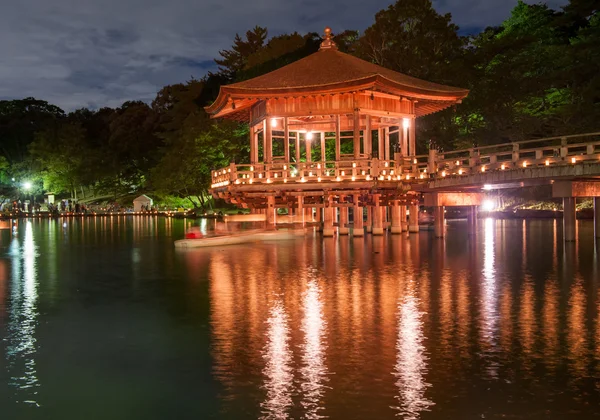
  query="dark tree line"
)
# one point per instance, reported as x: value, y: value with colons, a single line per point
x: 535, y: 75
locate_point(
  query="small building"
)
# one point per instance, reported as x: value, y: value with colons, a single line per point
x: 142, y: 202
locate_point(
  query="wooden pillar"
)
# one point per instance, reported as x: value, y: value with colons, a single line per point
x: 286, y: 140
x: 438, y: 220
x: 384, y: 217
x: 367, y: 137
x: 300, y: 212
x: 396, y: 218
x: 380, y: 153
x: 569, y: 219
x: 386, y: 152
x: 597, y: 216
x: 343, y: 225
x: 297, y: 148
x: 472, y: 220
x: 413, y: 226
x: 268, y: 140
x: 337, y: 138
x: 328, y: 219
x: 403, y: 221
x: 412, y: 138
x: 264, y: 141
x: 308, y: 215
x: 403, y: 139
x: 252, y: 144
x: 271, y: 210
x: 308, y: 143
x: 319, y: 218
x: 369, y: 221
x: 323, y: 157
x: 358, y: 228
x: 356, y: 133
x: 377, y: 224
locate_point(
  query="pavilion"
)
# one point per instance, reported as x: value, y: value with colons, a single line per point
x: 330, y: 131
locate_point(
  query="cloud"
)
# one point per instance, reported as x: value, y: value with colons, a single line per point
x: 91, y: 53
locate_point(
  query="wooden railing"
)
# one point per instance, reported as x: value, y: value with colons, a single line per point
x: 552, y: 151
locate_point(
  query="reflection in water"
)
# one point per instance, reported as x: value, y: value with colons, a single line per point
x: 21, y: 347
x: 576, y: 335
x: 489, y: 316
x: 278, y: 369
x: 411, y: 360
x: 314, y: 370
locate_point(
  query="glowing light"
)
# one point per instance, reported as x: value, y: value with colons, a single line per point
x: 573, y: 160
x: 363, y: 172
x: 273, y: 122
x: 284, y: 167
x: 338, y: 179
x: 405, y: 122
x: 483, y: 169
x: 525, y: 164
x: 389, y: 177
x: 457, y: 163
x: 460, y: 171
x: 415, y: 161
x: 391, y: 172
x: 251, y: 168
x: 319, y: 179
x: 309, y: 135
x: 407, y: 177
x: 503, y: 166
x: 487, y: 187
x: 260, y: 175
x: 343, y: 173
x: 443, y: 173
x: 488, y: 205
x: 385, y: 164
x: 27, y: 185
x: 353, y: 178
x: 421, y: 176
x: 354, y: 164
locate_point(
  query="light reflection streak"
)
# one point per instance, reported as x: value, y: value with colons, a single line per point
x: 278, y: 370
x: 577, y: 334
x: 314, y: 370
x: 489, y: 315
x: 411, y: 359
x: 22, y: 347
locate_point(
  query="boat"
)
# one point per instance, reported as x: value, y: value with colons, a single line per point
x: 235, y: 239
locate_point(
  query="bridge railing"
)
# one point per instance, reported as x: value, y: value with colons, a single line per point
x: 563, y: 150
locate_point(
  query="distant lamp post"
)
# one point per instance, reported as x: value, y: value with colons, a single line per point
x: 27, y: 187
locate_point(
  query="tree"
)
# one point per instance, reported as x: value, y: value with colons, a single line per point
x: 235, y: 59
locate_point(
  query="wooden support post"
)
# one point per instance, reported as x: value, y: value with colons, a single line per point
x: 308, y: 215
x: 308, y: 148
x: 569, y: 219
x: 356, y: 133
x: 343, y: 224
x: 323, y: 157
x: 269, y: 141
x: 472, y: 220
x: 286, y: 140
x: 438, y: 220
x: 396, y: 220
x: 403, y: 221
x: 264, y: 142
x: 384, y: 217
x: 380, y: 147
x: 403, y: 133
x: 413, y: 226
x: 300, y: 212
x: 358, y: 229
x: 597, y: 217
x: 319, y: 218
x: 413, y: 137
x: 369, y: 222
x: 386, y: 152
x: 377, y: 223
x: 252, y: 144
x: 328, y: 229
x: 337, y: 138
x: 297, y: 148
x: 367, y: 137
x: 271, y: 220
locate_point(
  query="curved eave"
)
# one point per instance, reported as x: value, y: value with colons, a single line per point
x: 378, y: 82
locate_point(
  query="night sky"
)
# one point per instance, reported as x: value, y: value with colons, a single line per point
x: 94, y: 53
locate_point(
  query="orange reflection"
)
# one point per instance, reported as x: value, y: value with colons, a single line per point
x: 314, y: 370
x: 527, y: 324
x: 411, y: 359
x: 489, y: 314
x: 576, y: 334
x: 278, y: 369
x: 550, y: 322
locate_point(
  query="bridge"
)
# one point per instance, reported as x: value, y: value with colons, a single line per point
x: 571, y: 164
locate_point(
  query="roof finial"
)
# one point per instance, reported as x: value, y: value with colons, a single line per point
x: 327, y: 41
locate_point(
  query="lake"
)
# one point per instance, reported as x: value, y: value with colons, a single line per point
x: 103, y: 319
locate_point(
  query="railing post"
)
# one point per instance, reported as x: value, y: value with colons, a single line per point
x: 472, y: 162
x: 232, y: 172
x: 515, y: 152
x: 563, y: 148
x: 431, y: 163
x: 375, y: 168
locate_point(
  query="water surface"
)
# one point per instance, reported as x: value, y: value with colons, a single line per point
x: 104, y: 319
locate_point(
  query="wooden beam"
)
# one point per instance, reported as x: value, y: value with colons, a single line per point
x: 286, y: 140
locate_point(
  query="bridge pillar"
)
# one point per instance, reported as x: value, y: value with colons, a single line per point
x: 597, y: 216
x: 569, y: 219
x: 413, y: 226
x: 369, y: 222
x: 472, y: 220
x: 384, y: 217
x: 300, y: 211
x: 271, y: 210
x: 319, y: 218
x: 396, y: 223
x: 438, y: 216
x: 328, y: 212
x: 308, y: 215
x: 358, y: 229
x: 377, y: 222
x: 343, y: 224
x: 403, y: 221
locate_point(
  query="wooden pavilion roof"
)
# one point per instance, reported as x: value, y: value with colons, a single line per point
x: 330, y: 71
